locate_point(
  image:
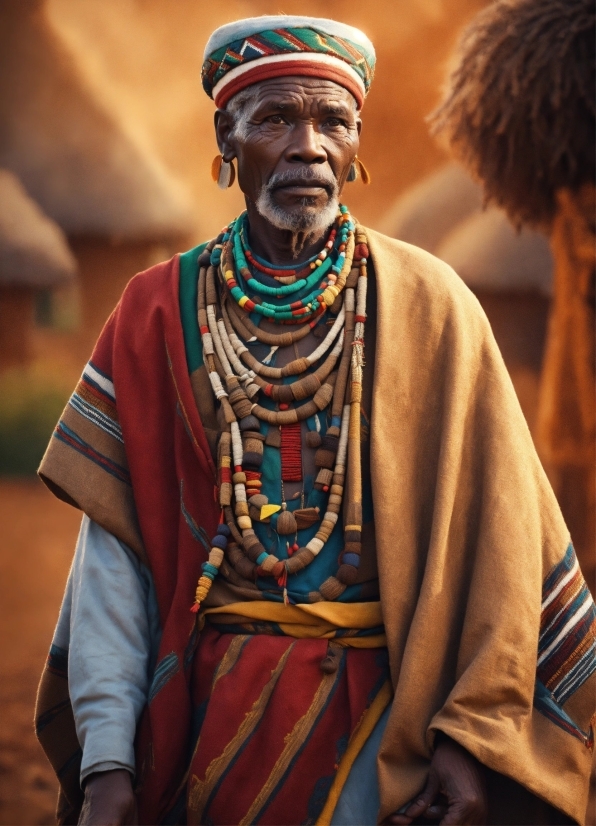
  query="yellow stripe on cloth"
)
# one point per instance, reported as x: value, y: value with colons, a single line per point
x: 319, y: 620
x: 201, y: 788
x: 361, y: 733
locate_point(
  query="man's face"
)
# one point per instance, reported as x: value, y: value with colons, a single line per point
x: 294, y: 139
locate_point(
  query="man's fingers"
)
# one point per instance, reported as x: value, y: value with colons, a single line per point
x: 424, y: 800
x: 465, y: 812
x: 435, y: 812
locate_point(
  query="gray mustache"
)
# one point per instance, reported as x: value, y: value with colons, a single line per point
x: 302, y: 177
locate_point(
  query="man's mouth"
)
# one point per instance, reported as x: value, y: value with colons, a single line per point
x: 304, y: 188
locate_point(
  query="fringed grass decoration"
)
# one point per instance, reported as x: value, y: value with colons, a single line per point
x: 519, y: 109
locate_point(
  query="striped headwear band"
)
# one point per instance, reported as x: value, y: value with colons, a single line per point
x: 242, y: 53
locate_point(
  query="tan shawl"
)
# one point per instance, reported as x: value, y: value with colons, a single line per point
x: 481, y: 596
x: 468, y: 531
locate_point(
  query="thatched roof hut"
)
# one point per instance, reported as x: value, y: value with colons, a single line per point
x: 489, y: 254
x: 520, y: 107
x: 444, y: 215
x: 33, y: 250
x: 88, y: 171
x: 510, y: 272
x: 428, y: 210
x: 34, y: 256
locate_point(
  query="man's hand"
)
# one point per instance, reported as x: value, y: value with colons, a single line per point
x: 455, y: 792
x: 109, y: 800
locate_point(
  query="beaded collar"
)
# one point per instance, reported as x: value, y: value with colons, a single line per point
x: 238, y: 379
x: 231, y: 263
x: 288, y: 274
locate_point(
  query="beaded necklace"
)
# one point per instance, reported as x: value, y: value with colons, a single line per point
x: 231, y: 261
x: 236, y: 385
x: 245, y: 327
x: 285, y: 274
x: 293, y: 368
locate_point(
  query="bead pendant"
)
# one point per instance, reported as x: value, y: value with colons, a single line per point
x: 286, y: 522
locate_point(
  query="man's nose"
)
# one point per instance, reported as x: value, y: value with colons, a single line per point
x: 305, y: 145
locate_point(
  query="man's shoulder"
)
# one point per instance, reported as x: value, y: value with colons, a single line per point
x: 409, y: 265
x: 161, y: 278
x: 193, y: 253
x: 406, y: 274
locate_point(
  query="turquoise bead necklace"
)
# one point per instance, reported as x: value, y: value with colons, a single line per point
x: 232, y: 266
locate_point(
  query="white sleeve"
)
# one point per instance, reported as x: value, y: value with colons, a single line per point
x: 114, y: 633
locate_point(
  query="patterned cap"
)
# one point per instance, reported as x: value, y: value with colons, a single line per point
x: 242, y: 53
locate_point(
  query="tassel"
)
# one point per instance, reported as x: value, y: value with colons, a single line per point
x: 195, y: 608
x: 282, y: 581
x: 270, y: 355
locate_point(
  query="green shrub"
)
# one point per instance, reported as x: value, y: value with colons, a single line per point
x: 29, y: 410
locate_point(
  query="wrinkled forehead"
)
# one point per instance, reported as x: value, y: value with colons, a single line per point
x: 296, y: 94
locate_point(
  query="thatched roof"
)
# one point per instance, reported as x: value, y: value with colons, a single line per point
x: 443, y: 214
x: 489, y: 254
x: 86, y: 169
x: 425, y: 212
x: 520, y: 107
x: 33, y: 249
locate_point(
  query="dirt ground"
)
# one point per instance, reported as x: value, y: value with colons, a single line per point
x: 36, y: 544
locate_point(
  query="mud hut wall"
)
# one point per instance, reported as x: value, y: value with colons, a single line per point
x: 17, y: 319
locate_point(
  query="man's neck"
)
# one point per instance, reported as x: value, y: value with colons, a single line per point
x: 280, y: 246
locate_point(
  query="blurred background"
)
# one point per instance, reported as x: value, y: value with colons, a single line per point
x: 106, y: 144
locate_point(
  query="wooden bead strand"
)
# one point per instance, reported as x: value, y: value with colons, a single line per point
x: 237, y: 379
x: 210, y: 568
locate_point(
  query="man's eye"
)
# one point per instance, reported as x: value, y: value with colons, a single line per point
x: 275, y: 119
x: 335, y: 122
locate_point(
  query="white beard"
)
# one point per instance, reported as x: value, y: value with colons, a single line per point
x: 310, y: 219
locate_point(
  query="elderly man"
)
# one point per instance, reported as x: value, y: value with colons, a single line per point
x: 270, y: 618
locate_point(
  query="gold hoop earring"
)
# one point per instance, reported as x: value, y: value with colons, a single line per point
x: 356, y: 167
x: 222, y: 172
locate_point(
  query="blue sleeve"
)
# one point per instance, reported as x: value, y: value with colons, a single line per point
x: 114, y: 634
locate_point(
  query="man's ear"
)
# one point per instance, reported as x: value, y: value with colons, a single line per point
x: 223, y: 129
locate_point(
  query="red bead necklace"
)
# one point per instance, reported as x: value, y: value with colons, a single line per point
x: 289, y: 273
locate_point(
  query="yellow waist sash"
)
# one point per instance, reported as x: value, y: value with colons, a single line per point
x: 339, y: 621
